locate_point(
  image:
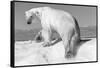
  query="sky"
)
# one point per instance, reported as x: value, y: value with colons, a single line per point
x: 86, y: 16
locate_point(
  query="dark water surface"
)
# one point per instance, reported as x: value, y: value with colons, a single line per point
x: 24, y: 35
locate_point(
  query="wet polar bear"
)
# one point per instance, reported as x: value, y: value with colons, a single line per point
x: 61, y: 22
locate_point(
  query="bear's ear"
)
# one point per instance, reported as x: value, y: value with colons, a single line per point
x: 37, y: 13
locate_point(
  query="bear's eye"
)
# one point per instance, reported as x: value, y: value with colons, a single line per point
x: 37, y: 13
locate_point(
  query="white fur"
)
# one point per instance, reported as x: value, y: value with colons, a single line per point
x: 60, y: 21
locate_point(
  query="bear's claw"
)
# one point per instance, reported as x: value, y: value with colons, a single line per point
x: 46, y: 44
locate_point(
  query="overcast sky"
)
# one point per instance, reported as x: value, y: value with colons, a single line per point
x: 86, y: 16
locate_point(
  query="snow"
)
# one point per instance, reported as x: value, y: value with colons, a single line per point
x: 32, y: 53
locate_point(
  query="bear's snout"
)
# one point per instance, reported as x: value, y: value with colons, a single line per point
x: 28, y: 22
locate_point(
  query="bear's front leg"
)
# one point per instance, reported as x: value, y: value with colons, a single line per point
x: 46, y: 35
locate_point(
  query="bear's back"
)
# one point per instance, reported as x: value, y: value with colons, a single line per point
x: 57, y: 12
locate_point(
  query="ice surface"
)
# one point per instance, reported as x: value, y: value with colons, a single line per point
x: 32, y: 53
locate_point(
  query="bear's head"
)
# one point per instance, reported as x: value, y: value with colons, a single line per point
x: 34, y: 11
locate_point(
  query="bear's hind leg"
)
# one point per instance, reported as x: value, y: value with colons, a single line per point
x: 68, y: 49
x: 73, y: 46
x: 71, y: 51
x: 67, y: 41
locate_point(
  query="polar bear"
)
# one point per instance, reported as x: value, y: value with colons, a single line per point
x: 60, y: 21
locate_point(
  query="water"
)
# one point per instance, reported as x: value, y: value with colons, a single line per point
x: 24, y: 35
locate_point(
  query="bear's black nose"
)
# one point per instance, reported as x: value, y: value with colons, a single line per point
x: 28, y: 22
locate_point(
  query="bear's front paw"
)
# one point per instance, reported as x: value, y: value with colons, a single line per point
x: 46, y: 44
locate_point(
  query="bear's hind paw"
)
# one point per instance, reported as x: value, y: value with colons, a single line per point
x: 69, y: 55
